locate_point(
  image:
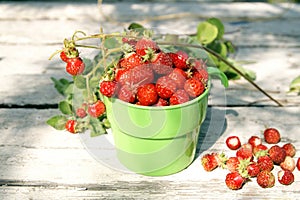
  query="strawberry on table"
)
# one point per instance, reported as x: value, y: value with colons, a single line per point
x: 234, y: 181
x: 244, y: 153
x: 260, y: 150
x: 265, y: 163
x: 272, y: 136
x: 285, y: 177
x: 233, y: 142
x: 210, y: 161
x: 290, y: 149
x: 253, y: 169
x: 277, y: 154
x: 232, y: 164
x: 288, y: 164
x: 254, y: 141
x: 265, y: 179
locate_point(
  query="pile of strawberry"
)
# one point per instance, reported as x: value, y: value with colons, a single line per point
x: 146, y: 75
x: 255, y: 160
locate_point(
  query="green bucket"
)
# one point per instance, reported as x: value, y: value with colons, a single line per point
x: 156, y: 141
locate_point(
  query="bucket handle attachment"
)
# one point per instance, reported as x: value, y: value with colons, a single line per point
x: 213, y: 71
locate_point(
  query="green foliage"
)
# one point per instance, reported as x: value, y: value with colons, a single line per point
x: 295, y: 86
x: 83, y: 88
x: 58, y: 122
x: 210, y: 34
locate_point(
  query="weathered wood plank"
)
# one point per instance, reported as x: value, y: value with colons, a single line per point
x: 37, y: 161
x: 61, y: 20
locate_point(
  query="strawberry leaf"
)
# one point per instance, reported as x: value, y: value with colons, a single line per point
x: 216, y: 22
x: 80, y: 82
x: 58, y: 122
x: 61, y: 85
x: 134, y: 26
x: 206, y: 32
x: 65, y: 107
x: 96, y: 127
x: 295, y: 86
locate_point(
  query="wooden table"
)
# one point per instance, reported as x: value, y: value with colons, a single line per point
x: 38, y: 162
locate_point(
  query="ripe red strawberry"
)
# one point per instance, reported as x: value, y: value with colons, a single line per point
x: 233, y: 142
x: 127, y: 93
x: 161, y: 63
x: 298, y: 164
x: 265, y: 163
x: 201, y: 75
x: 277, y: 154
x: 81, y: 113
x: 272, y: 136
x: 75, y: 66
x: 265, y: 179
x: 68, y: 53
x: 232, y: 164
x: 253, y: 169
x: 165, y: 87
x: 254, y: 141
x: 198, y: 64
x: 143, y: 45
x: 162, y: 102
x: 285, y: 177
x: 96, y: 109
x: 63, y: 56
x: 234, y: 181
x: 288, y: 164
x: 244, y: 153
x: 108, y: 88
x: 130, y: 41
x: 260, y: 150
x: 179, y: 59
x: 194, y: 87
x: 179, y: 97
x: 290, y: 149
x: 131, y: 60
x: 210, y: 161
x: 70, y: 125
x: 147, y: 95
x: 140, y: 75
x: 119, y: 73
x: 179, y: 76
